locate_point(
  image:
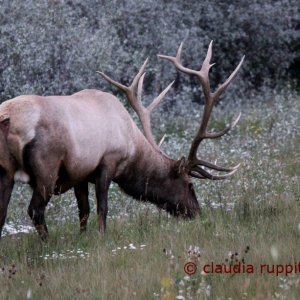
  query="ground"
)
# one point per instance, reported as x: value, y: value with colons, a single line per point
x: 249, y: 225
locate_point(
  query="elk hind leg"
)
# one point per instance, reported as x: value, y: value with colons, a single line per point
x: 44, y: 176
x: 36, y: 211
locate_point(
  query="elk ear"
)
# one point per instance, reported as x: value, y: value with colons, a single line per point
x: 180, y: 166
x: 4, y: 126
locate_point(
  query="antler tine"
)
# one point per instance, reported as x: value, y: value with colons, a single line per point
x: 157, y: 100
x: 139, y: 74
x: 222, y: 87
x: 213, y: 135
x: 128, y: 90
x: 200, y: 162
x: 113, y: 82
x: 162, y: 140
x: 177, y: 62
x: 206, y: 63
x: 140, y: 88
x: 198, y: 170
x: 197, y: 175
x: 193, y: 164
x: 134, y: 96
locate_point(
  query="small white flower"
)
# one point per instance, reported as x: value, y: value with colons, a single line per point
x: 181, y: 283
x: 274, y: 253
x: 277, y: 295
x: 208, y: 290
x: 29, y: 294
x: 131, y: 247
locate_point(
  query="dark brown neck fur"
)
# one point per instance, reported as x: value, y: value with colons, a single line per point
x: 152, y: 176
x: 145, y: 175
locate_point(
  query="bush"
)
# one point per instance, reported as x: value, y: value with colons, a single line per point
x: 55, y: 47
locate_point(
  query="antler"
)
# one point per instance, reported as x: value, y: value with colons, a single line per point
x: 134, y: 100
x: 194, y: 164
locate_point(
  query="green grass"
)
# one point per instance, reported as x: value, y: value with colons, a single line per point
x: 258, y: 208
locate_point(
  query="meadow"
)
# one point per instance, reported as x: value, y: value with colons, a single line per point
x: 252, y: 219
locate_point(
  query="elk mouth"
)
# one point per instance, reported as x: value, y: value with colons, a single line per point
x: 181, y: 211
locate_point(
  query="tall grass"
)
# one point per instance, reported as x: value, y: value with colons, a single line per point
x: 253, y: 218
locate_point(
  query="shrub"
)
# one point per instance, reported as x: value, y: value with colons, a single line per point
x: 55, y: 47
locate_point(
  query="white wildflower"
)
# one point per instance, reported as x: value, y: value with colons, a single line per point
x: 274, y: 253
x: 131, y: 247
x: 29, y: 294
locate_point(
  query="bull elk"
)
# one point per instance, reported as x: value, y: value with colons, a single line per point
x: 55, y: 143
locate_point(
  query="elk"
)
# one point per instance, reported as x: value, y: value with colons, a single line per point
x: 55, y: 143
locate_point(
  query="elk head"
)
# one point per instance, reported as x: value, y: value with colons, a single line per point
x: 171, y: 187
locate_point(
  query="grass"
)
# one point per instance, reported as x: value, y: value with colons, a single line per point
x: 254, y: 216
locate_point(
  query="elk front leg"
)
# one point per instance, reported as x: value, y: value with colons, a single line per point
x: 104, y: 175
x: 82, y: 193
x: 42, y: 159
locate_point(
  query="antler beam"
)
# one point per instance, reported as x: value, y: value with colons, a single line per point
x: 134, y: 96
x: 193, y: 163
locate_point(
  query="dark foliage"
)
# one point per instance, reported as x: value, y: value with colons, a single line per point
x: 55, y: 47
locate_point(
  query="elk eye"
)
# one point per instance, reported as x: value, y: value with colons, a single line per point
x: 191, y: 187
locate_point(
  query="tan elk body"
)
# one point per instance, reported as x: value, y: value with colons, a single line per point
x: 78, y: 129
x: 58, y: 142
